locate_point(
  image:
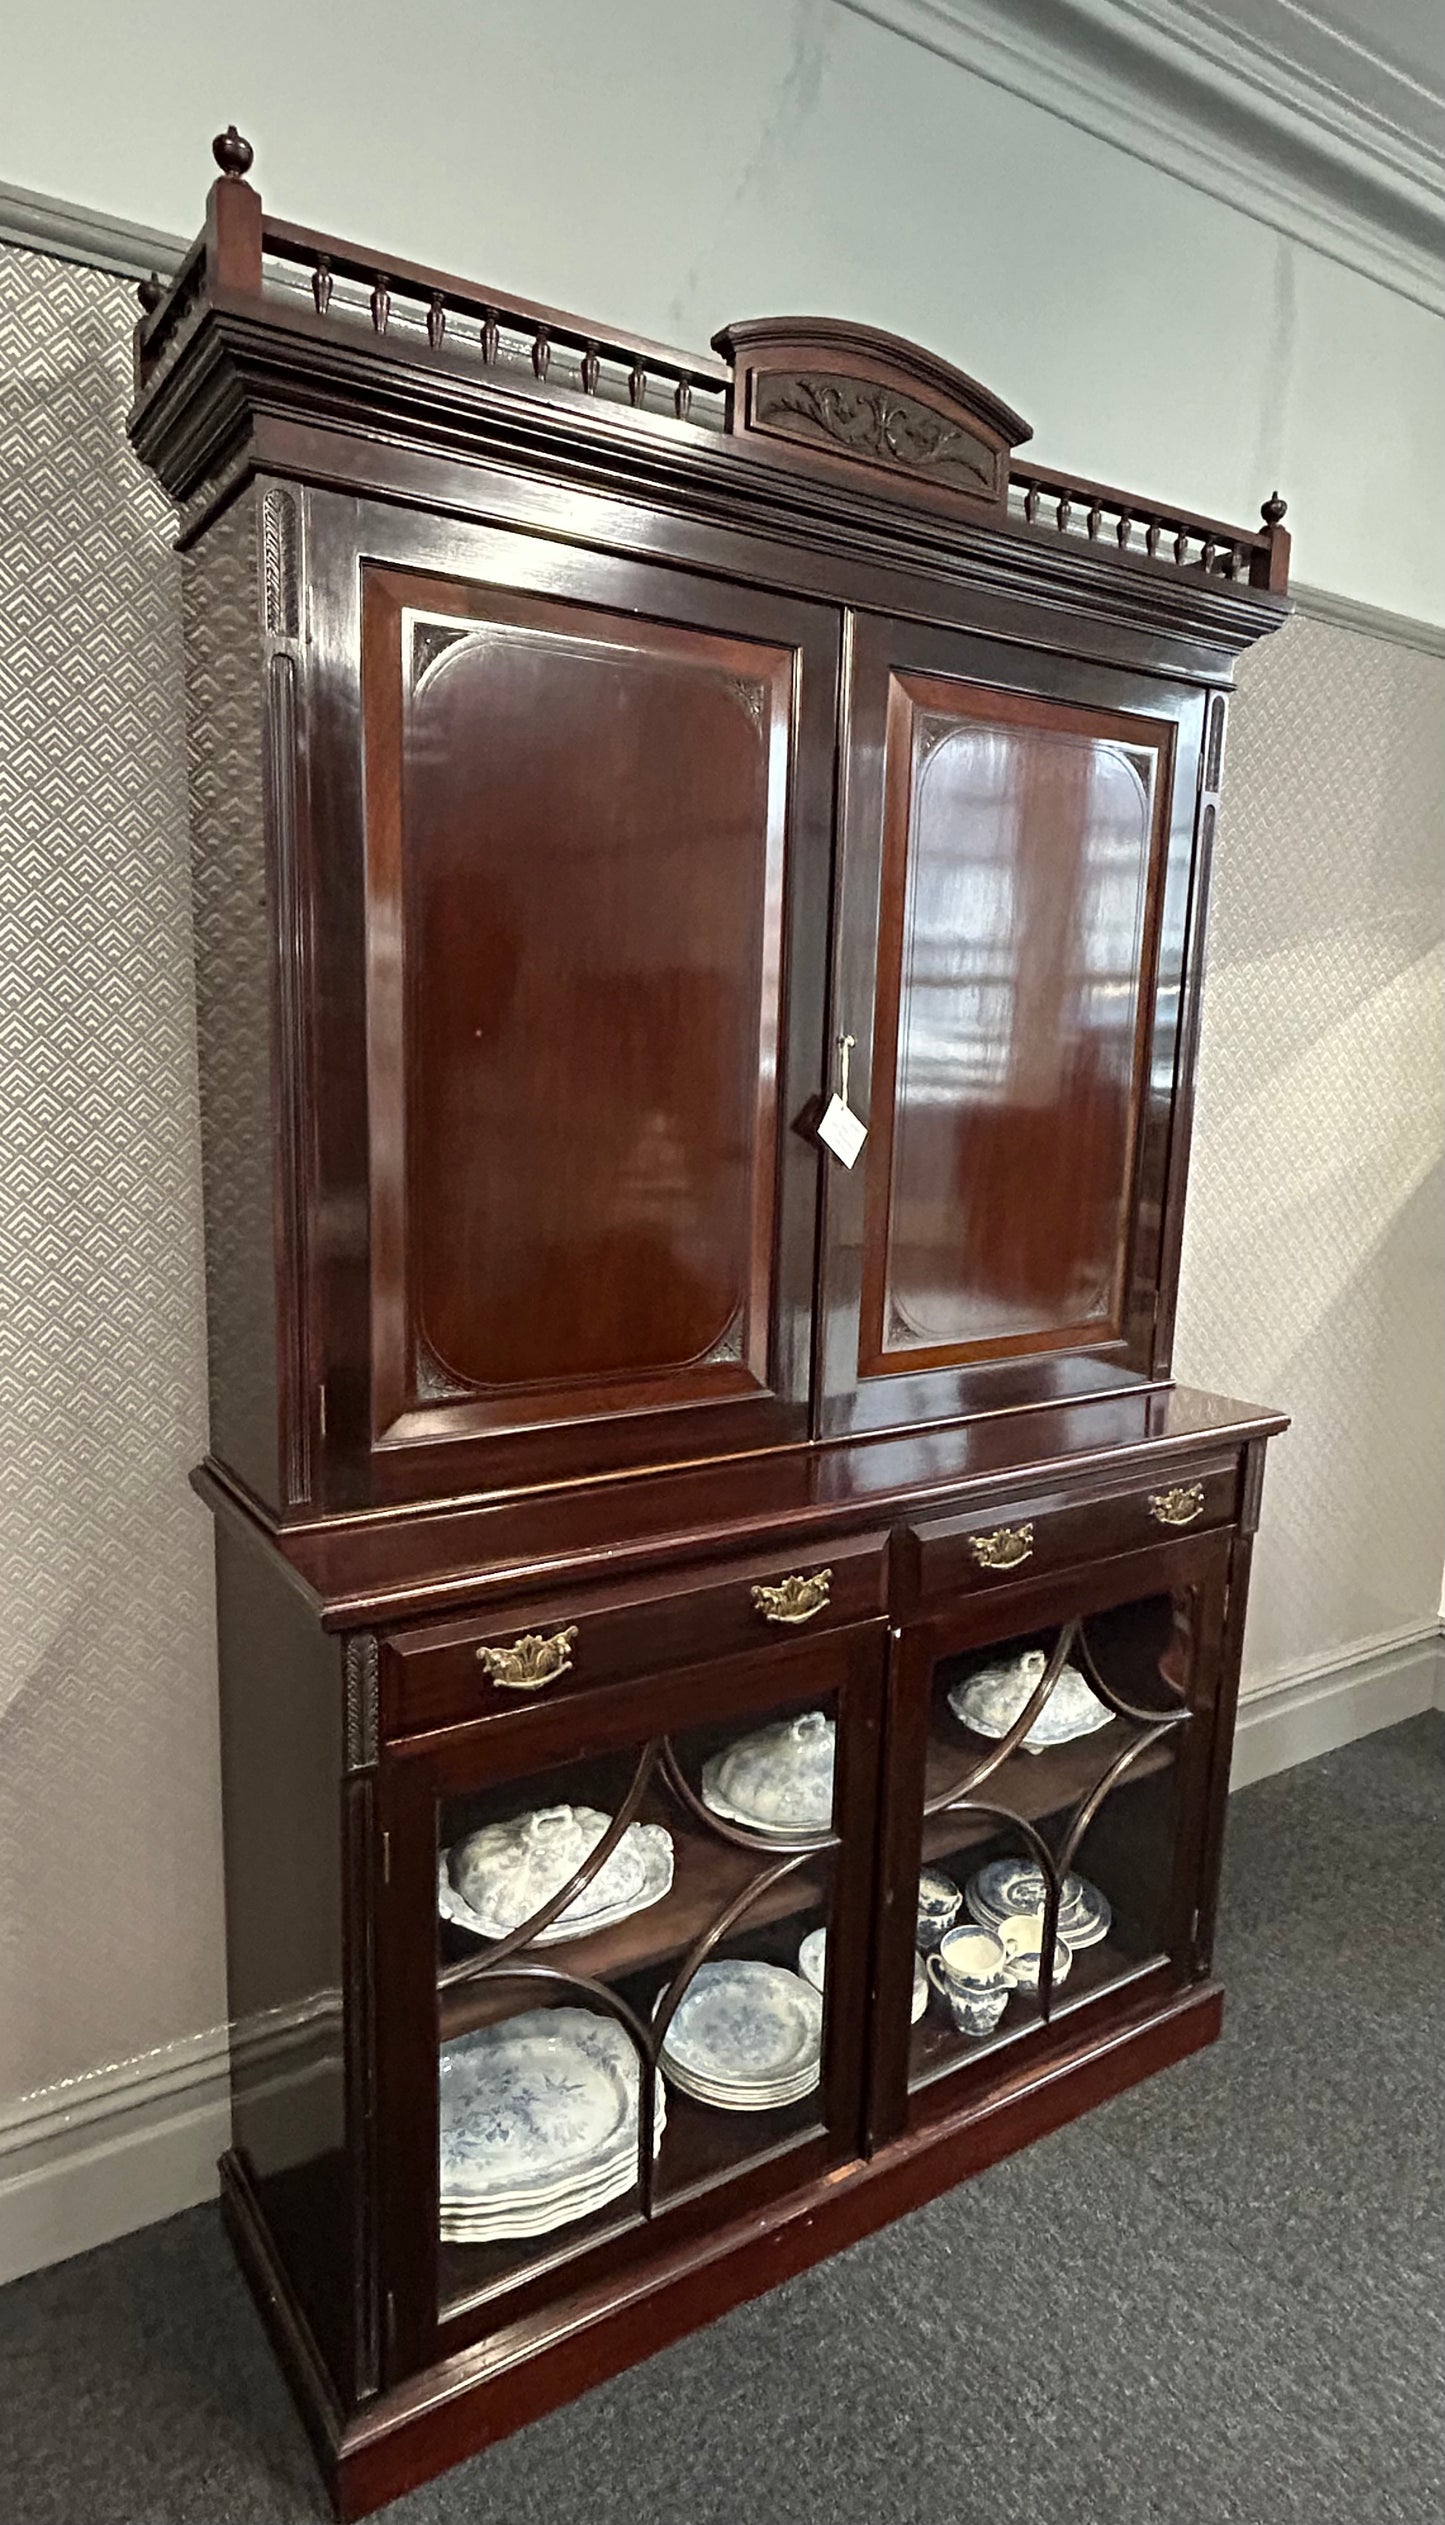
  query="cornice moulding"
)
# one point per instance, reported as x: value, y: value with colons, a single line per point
x: 1372, y: 622
x: 1198, y: 100
x: 74, y: 234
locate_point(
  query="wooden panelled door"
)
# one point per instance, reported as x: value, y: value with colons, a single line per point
x: 1016, y: 887
x: 598, y: 807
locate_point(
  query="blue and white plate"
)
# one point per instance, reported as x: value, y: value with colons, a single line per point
x: 813, y: 1965
x: 745, y: 2035
x: 1014, y: 1888
x: 538, y: 2123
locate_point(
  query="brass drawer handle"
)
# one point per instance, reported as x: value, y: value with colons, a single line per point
x: 1004, y: 1548
x: 794, y: 1599
x: 529, y: 1662
x: 1178, y: 1507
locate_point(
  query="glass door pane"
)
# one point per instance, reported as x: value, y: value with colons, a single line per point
x: 1051, y: 1821
x: 633, y: 1996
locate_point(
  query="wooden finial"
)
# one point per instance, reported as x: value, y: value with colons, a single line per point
x: 1273, y: 509
x: 232, y: 154
x: 150, y: 293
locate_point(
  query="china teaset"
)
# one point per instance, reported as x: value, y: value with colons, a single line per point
x: 977, y: 1963
x: 539, y: 2111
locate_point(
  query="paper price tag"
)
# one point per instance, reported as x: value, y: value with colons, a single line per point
x: 841, y: 1131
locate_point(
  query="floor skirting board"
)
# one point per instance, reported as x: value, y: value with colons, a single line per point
x: 83, y: 2163
x: 102, y: 2155
x: 1311, y: 1709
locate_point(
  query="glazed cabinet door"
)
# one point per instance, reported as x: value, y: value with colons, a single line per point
x: 1057, y: 1753
x: 623, y: 1963
x: 1018, y: 874
x: 587, y: 1005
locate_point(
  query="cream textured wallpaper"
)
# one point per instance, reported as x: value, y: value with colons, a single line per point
x: 110, y: 1918
x: 1314, y: 1248
x: 1311, y: 1267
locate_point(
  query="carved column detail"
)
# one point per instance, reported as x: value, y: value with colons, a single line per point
x: 280, y: 565
x: 363, y: 1671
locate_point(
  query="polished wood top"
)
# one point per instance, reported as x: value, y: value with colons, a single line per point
x: 381, y: 1567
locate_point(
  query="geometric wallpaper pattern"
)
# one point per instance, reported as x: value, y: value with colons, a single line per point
x: 1312, y: 1252
x: 110, y: 1922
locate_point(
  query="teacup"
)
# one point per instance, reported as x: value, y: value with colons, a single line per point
x: 939, y: 1904
x: 1023, y: 1940
x: 969, y: 1969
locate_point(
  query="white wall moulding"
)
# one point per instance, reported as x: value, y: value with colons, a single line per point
x: 1242, y: 101
x: 77, y: 235
x: 1330, y: 1702
x: 102, y: 2155
x: 1375, y: 622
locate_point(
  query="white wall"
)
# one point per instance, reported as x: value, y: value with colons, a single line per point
x: 667, y: 164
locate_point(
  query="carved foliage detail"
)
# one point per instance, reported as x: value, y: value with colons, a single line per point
x: 280, y: 572
x: 875, y: 423
x: 363, y: 1668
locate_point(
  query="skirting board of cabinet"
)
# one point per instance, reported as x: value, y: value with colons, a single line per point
x: 434, y: 2421
x: 1311, y: 1709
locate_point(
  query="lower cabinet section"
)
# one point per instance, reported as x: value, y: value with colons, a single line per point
x: 665, y: 1972
x: 624, y: 1962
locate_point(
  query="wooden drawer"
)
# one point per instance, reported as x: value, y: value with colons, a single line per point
x: 434, y: 1674
x: 1046, y: 1530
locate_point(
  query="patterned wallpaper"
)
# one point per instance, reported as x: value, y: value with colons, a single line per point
x: 110, y: 1922
x: 1312, y: 1260
x: 1314, y: 1246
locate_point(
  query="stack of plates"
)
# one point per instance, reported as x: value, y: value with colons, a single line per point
x: 498, y: 1877
x: 991, y: 1699
x: 745, y: 2036
x: 1013, y: 1889
x: 813, y: 1965
x: 538, y: 2124
x: 779, y: 1782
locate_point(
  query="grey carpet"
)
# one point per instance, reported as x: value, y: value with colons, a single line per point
x: 1218, y: 2301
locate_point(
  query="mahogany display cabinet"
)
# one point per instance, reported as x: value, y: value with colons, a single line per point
x: 619, y: 780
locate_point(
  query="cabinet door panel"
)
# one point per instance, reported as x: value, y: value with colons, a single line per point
x: 592, y: 899
x: 1053, y: 1753
x: 1023, y: 857
x: 598, y: 801
x: 577, y: 1906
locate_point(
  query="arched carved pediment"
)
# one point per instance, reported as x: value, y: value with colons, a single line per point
x: 846, y: 394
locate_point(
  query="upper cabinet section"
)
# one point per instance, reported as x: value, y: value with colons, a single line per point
x: 590, y: 742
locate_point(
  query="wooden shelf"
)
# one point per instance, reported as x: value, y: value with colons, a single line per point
x: 1032, y: 1785
x: 709, y: 1876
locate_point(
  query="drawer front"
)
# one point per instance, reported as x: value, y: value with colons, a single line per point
x: 465, y: 1667
x: 1049, y: 1529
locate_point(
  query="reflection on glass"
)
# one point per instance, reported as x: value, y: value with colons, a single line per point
x: 1028, y: 868
x: 1049, y: 1823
